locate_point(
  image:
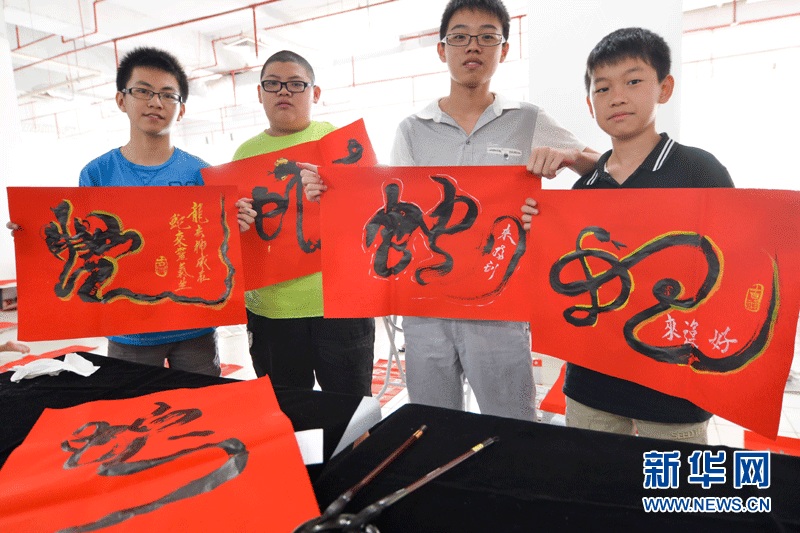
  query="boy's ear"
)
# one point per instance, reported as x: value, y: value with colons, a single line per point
x: 181, y: 112
x: 503, y: 52
x: 589, y: 103
x: 317, y: 92
x: 667, y: 86
x: 440, y: 50
x: 258, y: 88
x: 120, y: 99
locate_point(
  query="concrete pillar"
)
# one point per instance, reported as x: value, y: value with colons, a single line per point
x: 561, y: 35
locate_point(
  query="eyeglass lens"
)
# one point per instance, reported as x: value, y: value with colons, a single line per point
x: 275, y: 86
x: 483, y: 39
x: 146, y: 94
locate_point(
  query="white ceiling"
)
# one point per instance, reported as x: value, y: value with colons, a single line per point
x: 64, y: 52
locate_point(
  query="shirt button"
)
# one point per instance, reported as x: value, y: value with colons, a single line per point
x: 468, y: 141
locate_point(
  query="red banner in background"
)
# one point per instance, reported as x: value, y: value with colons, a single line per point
x: 425, y: 241
x: 97, y: 261
x: 285, y: 241
x: 692, y: 292
x: 179, y: 460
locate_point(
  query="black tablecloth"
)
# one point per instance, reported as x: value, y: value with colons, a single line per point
x: 21, y: 403
x: 538, y: 477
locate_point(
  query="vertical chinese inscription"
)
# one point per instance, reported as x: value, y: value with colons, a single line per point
x: 188, y: 227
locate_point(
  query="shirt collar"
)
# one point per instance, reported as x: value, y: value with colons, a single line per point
x: 652, y: 163
x: 433, y: 112
x: 659, y: 155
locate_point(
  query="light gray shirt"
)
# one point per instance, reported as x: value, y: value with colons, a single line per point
x: 504, y: 135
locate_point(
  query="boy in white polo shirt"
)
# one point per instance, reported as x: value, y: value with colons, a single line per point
x: 473, y: 126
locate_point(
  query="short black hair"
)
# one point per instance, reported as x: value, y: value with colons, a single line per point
x: 630, y: 43
x: 152, y: 58
x: 287, y: 56
x: 492, y: 7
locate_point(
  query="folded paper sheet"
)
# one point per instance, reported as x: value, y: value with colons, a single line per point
x: 52, y: 367
x: 285, y: 241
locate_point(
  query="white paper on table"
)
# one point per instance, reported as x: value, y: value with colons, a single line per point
x: 310, y: 443
x: 52, y: 367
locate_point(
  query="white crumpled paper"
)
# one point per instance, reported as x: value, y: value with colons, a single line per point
x: 52, y: 367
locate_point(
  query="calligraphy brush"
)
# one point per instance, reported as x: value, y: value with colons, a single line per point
x: 360, y: 521
x: 335, y: 508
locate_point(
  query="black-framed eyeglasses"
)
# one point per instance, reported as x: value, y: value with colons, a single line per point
x: 294, y: 86
x: 483, y: 39
x: 140, y: 93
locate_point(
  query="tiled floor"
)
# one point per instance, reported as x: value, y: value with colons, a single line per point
x: 234, y: 352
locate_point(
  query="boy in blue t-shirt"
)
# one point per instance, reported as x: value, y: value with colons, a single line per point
x: 152, y: 88
x: 627, y: 77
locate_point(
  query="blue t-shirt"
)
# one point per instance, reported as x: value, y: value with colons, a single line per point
x: 113, y: 170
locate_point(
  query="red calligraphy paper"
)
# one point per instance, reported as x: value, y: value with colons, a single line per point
x: 285, y: 240
x: 692, y: 292
x: 784, y: 445
x: 96, y: 261
x: 219, y: 458
x: 425, y: 241
x: 555, y: 401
